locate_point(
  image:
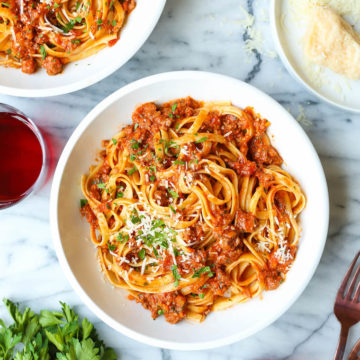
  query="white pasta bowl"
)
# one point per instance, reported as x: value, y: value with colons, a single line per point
x: 83, y: 73
x: 77, y: 255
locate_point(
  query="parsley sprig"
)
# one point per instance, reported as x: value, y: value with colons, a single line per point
x: 50, y: 335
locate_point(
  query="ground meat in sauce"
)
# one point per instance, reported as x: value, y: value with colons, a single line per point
x: 171, y: 304
x: 28, y: 66
x: 220, y: 282
x: 52, y: 65
x: 245, y: 221
x: 227, y: 248
x: 264, y: 153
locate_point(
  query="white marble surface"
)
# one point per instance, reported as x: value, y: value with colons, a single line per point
x: 198, y: 35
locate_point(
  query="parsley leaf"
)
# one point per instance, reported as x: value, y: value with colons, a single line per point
x: 132, y: 170
x: 201, y: 140
x: 43, y: 52
x: 83, y: 202
x: 176, y: 275
x: 174, y: 194
x: 203, y: 270
x: 141, y: 254
x: 111, y: 246
x: 114, y: 141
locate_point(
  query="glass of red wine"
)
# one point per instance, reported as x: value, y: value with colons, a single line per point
x: 22, y: 156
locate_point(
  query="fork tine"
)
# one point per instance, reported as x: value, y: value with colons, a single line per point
x: 347, y: 276
x: 353, y: 283
x: 357, y: 293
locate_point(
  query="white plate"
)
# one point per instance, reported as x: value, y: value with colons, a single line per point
x: 330, y: 87
x: 83, y: 73
x: 77, y: 255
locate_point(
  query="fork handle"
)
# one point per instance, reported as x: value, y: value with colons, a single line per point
x: 342, y: 342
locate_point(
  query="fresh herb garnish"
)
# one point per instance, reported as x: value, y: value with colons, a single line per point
x: 132, y: 157
x: 161, y: 311
x: 141, y: 254
x: 43, y: 52
x: 56, y: 5
x: 114, y: 141
x: 173, y: 107
x: 101, y: 185
x: 203, y: 270
x: 119, y: 195
x: 152, y: 178
x: 201, y: 296
x: 50, y: 335
x: 123, y: 238
x: 179, y: 162
x: 5, y: 4
x: 111, y: 247
x: 114, y: 23
x: 201, y: 140
x: 173, y: 193
x: 83, y: 202
x: 135, y: 144
x: 172, y: 209
x: 176, y: 275
x: 132, y: 170
x: 77, y: 5
x: 99, y: 21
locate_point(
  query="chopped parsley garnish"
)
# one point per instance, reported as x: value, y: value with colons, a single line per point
x: 111, y: 247
x: 172, y: 209
x: 83, y: 202
x: 99, y: 21
x: 203, y: 270
x: 111, y: 4
x: 176, y: 252
x: 43, y: 52
x: 72, y: 23
x: 114, y: 141
x: 132, y: 170
x: 201, y: 140
x: 56, y: 5
x: 201, y: 296
x: 177, y: 125
x: 141, y: 254
x: 132, y: 157
x: 176, y: 275
x: 101, y: 185
x: 152, y: 178
x: 135, y: 219
x: 173, y: 107
x: 160, y: 312
x: 114, y: 23
x: 5, y: 4
x: 119, y: 195
x: 8, y: 51
x: 153, y: 168
x: 179, y: 162
x: 155, y: 252
x: 77, y: 5
x: 123, y: 238
x: 135, y: 144
x: 173, y: 193
x: 136, y: 126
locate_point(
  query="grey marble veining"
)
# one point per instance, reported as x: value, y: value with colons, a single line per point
x: 199, y: 35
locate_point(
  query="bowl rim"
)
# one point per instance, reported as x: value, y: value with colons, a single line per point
x: 91, y: 77
x: 274, y: 25
x: 53, y: 210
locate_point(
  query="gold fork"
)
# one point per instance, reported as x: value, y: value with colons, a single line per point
x: 347, y: 306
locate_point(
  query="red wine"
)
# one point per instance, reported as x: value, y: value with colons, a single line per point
x: 21, y: 157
